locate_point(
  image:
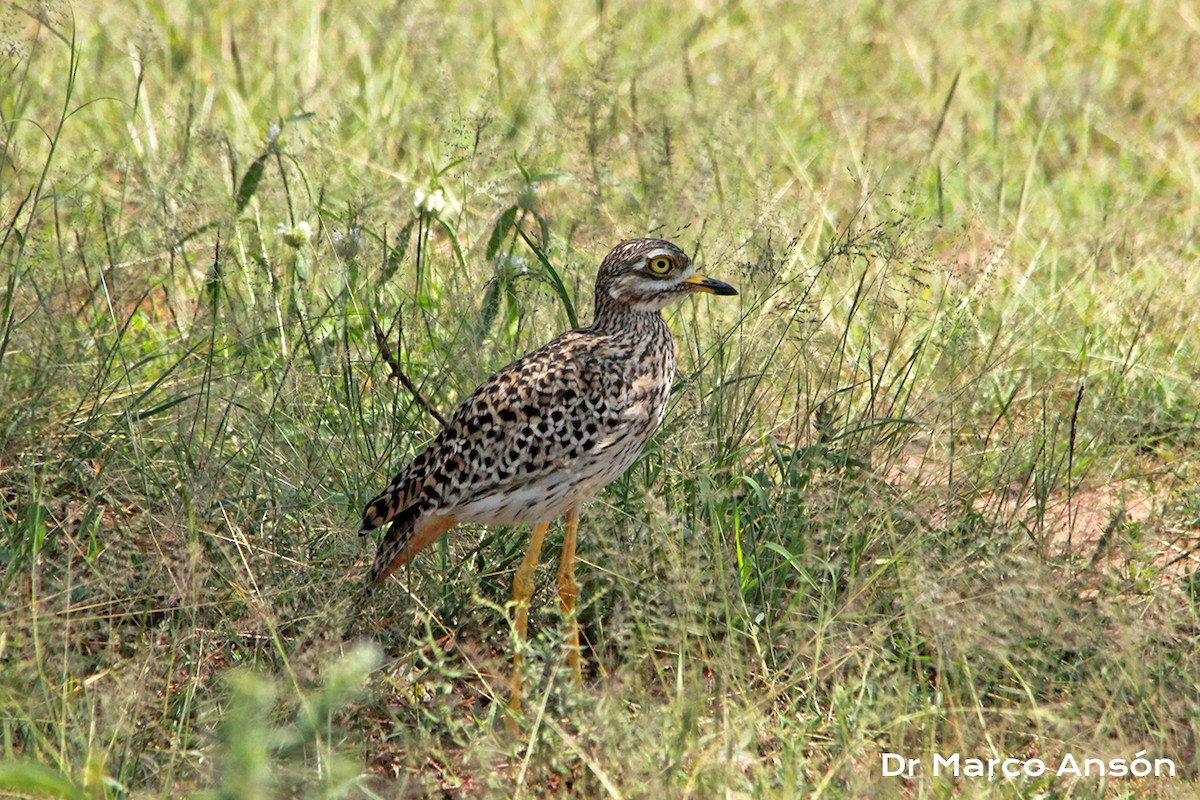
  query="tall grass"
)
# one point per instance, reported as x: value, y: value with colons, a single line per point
x: 925, y: 486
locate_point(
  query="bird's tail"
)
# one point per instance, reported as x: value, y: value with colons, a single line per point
x: 391, y: 554
x: 385, y: 506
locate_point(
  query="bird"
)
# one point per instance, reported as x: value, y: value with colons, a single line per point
x: 547, y: 432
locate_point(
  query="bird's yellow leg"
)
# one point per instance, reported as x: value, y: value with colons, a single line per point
x: 522, y: 591
x: 568, y: 591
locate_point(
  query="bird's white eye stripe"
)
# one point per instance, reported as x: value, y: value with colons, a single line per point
x: 660, y: 252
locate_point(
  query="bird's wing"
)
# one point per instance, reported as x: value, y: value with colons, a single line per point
x: 553, y: 405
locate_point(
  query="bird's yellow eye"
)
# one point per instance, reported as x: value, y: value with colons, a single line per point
x: 660, y: 265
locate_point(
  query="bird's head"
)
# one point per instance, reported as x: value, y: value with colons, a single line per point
x: 649, y: 275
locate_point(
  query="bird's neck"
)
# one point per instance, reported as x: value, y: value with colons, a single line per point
x: 616, y: 318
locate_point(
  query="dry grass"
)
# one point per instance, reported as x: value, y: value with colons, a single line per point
x: 926, y: 486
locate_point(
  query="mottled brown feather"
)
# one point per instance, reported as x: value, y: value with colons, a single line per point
x: 550, y: 429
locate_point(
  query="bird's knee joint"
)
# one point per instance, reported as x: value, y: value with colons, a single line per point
x: 568, y: 592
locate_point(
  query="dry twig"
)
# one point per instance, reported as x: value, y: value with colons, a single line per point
x: 398, y: 372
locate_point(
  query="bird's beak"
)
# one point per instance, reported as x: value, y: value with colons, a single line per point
x: 702, y: 283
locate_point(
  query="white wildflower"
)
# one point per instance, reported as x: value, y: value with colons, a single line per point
x: 347, y: 243
x: 295, y: 237
x: 432, y: 203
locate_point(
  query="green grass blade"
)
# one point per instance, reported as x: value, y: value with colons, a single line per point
x: 555, y: 280
x: 31, y: 778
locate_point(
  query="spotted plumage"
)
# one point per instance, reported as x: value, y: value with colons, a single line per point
x: 550, y: 430
x: 541, y: 434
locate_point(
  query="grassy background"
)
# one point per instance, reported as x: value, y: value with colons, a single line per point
x: 926, y: 486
